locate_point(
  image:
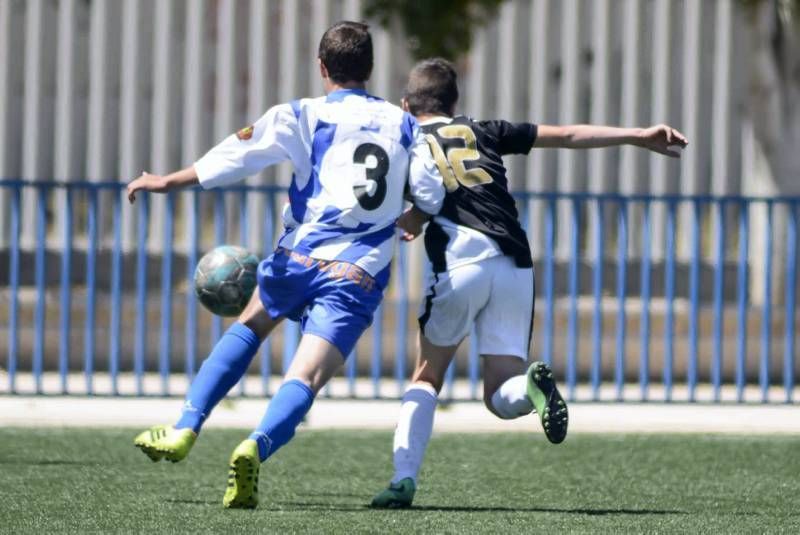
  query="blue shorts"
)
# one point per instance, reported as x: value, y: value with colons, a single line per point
x: 333, y: 300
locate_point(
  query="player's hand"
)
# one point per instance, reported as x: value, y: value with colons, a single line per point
x: 411, y: 222
x: 146, y: 182
x: 661, y: 138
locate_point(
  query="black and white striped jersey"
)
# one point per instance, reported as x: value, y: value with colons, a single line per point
x: 479, y: 217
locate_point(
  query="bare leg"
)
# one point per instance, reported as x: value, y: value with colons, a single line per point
x: 315, y: 362
x: 415, y: 423
x: 511, y: 391
x: 432, y: 362
x: 256, y: 318
x: 498, y: 370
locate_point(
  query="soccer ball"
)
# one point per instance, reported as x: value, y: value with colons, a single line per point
x: 225, y: 279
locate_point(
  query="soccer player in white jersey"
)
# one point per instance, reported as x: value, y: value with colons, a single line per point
x: 353, y: 156
x: 481, y: 270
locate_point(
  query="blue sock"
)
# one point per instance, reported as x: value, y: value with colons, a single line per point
x: 284, y: 413
x: 223, y: 368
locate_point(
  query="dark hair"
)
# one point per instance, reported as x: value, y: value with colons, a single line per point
x: 346, y: 51
x: 432, y: 87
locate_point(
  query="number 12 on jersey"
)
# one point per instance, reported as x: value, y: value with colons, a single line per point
x: 451, y: 163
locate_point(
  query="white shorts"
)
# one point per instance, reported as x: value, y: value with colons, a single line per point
x: 493, y: 293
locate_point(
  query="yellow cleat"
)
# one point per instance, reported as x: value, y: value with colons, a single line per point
x: 165, y: 442
x: 146, y: 441
x: 242, y: 491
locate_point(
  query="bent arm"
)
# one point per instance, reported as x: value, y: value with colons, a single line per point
x: 426, y: 189
x: 658, y: 138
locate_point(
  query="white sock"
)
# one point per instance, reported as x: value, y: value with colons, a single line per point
x: 511, y: 399
x: 414, y: 428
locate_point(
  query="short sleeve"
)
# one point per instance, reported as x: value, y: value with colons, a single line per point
x: 512, y: 138
x: 425, y: 184
x: 274, y: 138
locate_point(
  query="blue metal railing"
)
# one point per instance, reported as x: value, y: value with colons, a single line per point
x: 655, y: 305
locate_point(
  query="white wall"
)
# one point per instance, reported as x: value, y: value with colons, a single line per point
x: 102, y: 90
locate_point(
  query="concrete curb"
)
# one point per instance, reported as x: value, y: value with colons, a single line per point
x: 67, y: 411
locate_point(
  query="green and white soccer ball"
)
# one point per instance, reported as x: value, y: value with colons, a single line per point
x: 225, y: 279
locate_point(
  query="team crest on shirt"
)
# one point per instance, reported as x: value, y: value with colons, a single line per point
x: 245, y: 133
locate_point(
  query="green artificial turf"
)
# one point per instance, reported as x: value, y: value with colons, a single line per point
x: 89, y: 480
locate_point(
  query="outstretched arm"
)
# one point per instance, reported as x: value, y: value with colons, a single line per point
x: 271, y: 140
x: 162, y: 184
x: 659, y: 138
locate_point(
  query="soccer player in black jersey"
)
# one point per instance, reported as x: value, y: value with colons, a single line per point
x: 480, y: 268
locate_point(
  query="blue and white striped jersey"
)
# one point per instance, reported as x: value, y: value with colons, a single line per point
x: 353, y: 155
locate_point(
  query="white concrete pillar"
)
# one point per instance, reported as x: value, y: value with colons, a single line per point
x: 289, y: 60
x: 568, y: 180
x: 381, y: 81
x: 600, y: 178
x: 101, y: 149
x: 197, y: 135
x: 163, y: 112
x: 632, y: 174
x: 474, y: 102
x: 102, y: 138
x: 66, y: 160
x: 11, y: 87
x: 135, y: 83
x: 351, y: 10
x: 36, y: 148
x: 259, y: 95
x: 538, y: 179
x: 721, y: 181
x: 225, y: 117
x: 320, y: 21
x: 224, y: 103
x: 692, y: 42
x: 508, y: 76
x: 660, y: 177
x: 630, y: 181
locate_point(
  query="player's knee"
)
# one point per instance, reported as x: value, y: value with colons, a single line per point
x: 257, y: 321
x: 431, y: 379
x: 255, y: 318
x: 260, y: 328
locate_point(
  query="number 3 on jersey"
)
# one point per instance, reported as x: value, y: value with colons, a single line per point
x: 451, y: 164
x: 376, y: 172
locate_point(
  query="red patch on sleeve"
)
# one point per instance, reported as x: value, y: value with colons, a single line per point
x: 245, y: 133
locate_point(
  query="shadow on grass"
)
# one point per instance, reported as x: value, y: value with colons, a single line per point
x: 194, y: 502
x: 479, y: 509
x: 340, y: 495
x: 48, y: 462
x: 576, y: 511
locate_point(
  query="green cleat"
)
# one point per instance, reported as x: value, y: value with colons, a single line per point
x: 398, y: 496
x: 547, y: 401
x: 165, y: 442
x: 242, y: 491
